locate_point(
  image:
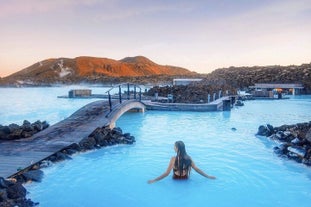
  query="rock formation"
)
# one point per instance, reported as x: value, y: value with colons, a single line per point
x: 295, y: 140
x: 199, y: 92
x: 242, y: 77
x: 27, y: 129
x: 13, y: 193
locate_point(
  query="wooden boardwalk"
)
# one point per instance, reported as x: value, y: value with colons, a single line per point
x: 22, y: 153
x: 16, y: 155
x: 216, y: 105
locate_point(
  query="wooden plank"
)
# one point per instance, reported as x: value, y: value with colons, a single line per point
x: 20, y: 154
x: 11, y: 164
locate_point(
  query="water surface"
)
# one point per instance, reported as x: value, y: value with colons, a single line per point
x: 248, y: 172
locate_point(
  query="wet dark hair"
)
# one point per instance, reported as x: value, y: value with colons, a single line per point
x: 183, y: 160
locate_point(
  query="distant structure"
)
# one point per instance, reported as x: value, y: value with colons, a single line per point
x: 79, y: 93
x: 271, y: 89
x: 185, y: 81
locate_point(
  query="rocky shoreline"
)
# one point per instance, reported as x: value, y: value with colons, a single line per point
x: 294, y: 141
x: 12, y: 191
x: 27, y: 129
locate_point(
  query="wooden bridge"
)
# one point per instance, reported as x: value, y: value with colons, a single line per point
x: 16, y: 155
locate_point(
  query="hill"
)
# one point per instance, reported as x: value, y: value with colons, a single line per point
x: 90, y: 70
x: 242, y: 77
x: 236, y: 78
x: 141, y: 70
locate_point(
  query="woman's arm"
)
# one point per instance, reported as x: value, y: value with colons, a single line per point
x: 166, y: 173
x: 201, y: 172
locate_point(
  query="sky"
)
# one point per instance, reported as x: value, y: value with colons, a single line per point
x: 200, y: 35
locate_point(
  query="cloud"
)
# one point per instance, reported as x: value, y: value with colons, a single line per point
x: 9, y: 8
x: 260, y: 22
x: 124, y: 10
x: 276, y: 14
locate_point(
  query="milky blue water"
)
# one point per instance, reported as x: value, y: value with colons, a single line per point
x: 248, y: 172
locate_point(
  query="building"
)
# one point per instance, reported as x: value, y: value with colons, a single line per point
x: 270, y: 89
x: 79, y: 93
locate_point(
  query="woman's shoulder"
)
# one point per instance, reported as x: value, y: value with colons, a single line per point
x: 172, y: 161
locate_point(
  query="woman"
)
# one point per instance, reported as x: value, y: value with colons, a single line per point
x: 181, y: 165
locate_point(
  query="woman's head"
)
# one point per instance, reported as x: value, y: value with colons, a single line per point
x: 182, y: 161
x: 180, y: 148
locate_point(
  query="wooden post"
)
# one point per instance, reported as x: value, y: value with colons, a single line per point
x: 128, y: 91
x: 120, y: 96
x: 139, y: 94
x: 109, y: 98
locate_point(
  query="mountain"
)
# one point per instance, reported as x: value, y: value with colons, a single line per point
x: 90, y: 69
x: 141, y: 70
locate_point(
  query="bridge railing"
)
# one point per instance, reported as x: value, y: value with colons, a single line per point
x: 128, y: 94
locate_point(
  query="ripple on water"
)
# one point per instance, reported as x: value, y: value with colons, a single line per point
x: 247, y: 171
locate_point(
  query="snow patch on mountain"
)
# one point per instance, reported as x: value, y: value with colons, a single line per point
x: 25, y: 82
x: 64, y: 71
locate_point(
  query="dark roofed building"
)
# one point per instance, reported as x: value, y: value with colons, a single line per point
x: 290, y: 88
